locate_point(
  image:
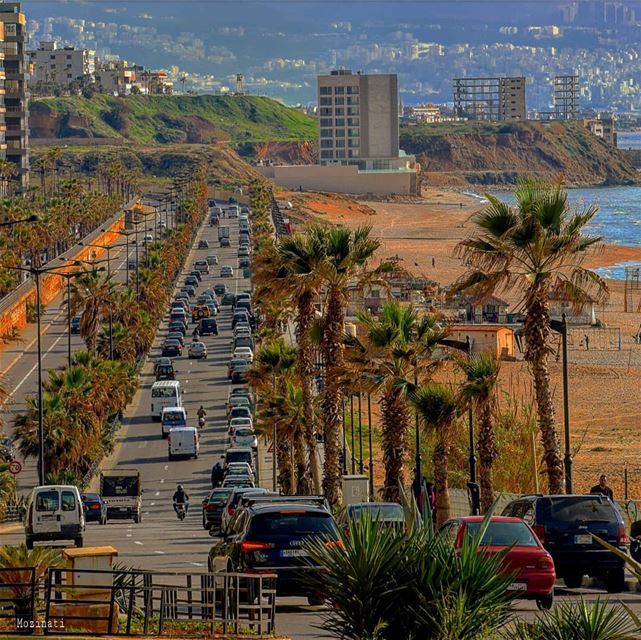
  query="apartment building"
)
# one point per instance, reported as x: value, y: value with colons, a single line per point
x: 16, y: 95
x: 114, y: 77
x: 61, y: 65
x: 490, y: 99
x: 358, y: 119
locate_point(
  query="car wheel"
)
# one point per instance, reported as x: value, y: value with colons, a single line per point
x: 545, y: 603
x: 573, y: 579
x: 29, y: 543
x: 80, y: 541
x: 615, y: 580
x: 314, y: 601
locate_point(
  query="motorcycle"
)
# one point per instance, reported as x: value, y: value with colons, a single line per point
x: 181, y: 510
x: 201, y: 422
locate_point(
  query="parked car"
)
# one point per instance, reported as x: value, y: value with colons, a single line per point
x: 178, y: 325
x: 226, y: 271
x: 243, y: 251
x: 197, y: 350
x: 75, y: 324
x: 208, y: 326
x: 241, y: 422
x: 244, y: 263
x: 203, y: 244
x: 270, y: 537
x: 234, y: 362
x: 224, y: 242
x: 212, y: 260
x: 232, y: 502
x: 239, y: 412
x: 176, y: 335
x: 189, y: 290
x: 95, y: 508
x: 213, y: 506
x: 245, y: 437
x: 197, y: 274
x: 180, y: 304
x: 171, y: 348
x: 526, y: 558
x: 385, y: 513
x: 564, y: 524
x: 228, y: 299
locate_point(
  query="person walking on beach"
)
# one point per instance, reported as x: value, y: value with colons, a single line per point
x: 433, y: 262
x: 602, y: 488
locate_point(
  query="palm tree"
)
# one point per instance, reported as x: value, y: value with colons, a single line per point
x: 346, y: 256
x: 482, y: 372
x: 8, y: 171
x: 535, y: 248
x: 300, y: 257
x: 437, y: 407
x: 92, y: 292
x: 397, y: 347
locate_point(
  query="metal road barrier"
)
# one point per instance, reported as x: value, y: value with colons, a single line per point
x: 150, y: 603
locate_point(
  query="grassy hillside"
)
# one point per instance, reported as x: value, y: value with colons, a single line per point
x: 499, y: 153
x: 170, y: 119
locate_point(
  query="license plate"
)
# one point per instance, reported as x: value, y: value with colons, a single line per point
x: 584, y: 538
x: 517, y: 586
x: 293, y: 553
x: 49, y: 526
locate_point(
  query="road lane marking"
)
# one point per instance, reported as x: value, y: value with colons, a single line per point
x: 138, y: 542
x: 166, y: 467
x: 160, y: 553
x: 157, y: 493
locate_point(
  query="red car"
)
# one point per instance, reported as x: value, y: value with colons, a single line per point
x: 533, y: 565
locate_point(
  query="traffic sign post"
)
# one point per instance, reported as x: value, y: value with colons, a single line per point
x: 15, y: 467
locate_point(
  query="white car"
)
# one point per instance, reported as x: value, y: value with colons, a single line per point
x: 212, y: 260
x: 244, y: 352
x: 244, y: 437
x: 239, y: 423
x: 226, y: 271
x: 197, y: 349
x: 239, y: 468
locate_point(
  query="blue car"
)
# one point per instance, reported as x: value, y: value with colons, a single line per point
x: 75, y: 324
x: 95, y: 508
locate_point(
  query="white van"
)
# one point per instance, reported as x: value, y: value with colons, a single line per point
x: 165, y: 393
x: 183, y: 442
x: 55, y: 512
x: 172, y: 418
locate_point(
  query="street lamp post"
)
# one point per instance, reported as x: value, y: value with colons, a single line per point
x: 344, y: 465
x: 360, y: 433
x: 417, y: 444
x: 351, y: 420
x: 11, y: 223
x: 371, y: 455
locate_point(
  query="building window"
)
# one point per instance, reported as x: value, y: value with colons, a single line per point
x: 326, y: 155
x: 325, y: 101
x: 52, y: 57
x: 339, y: 91
x: 339, y: 133
x: 353, y: 111
x: 353, y: 122
x: 340, y: 111
x: 340, y: 143
x: 326, y: 111
x: 353, y: 91
x: 353, y: 133
x: 325, y: 91
x: 354, y: 143
x: 325, y: 133
x: 354, y: 153
x: 339, y: 100
x: 326, y: 144
x: 340, y: 154
x: 326, y: 122
x: 339, y: 122
x: 353, y: 100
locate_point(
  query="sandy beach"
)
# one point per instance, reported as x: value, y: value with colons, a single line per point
x: 604, y: 381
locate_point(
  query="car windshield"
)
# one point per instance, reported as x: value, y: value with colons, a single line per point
x: 293, y: 524
x: 581, y: 509
x: 385, y: 512
x: 90, y: 497
x: 503, y: 534
x: 173, y: 416
x: 220, y: 495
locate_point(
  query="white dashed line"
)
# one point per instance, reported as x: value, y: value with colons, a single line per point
x: 138, y: 542
x: 198, y: 564
x: 160, y: 553
x: 157, y: 493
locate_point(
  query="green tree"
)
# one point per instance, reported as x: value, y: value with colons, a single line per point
x: 535, y: 247
x: 478, y: 391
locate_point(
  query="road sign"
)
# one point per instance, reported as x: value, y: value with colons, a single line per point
x: 15, y: 467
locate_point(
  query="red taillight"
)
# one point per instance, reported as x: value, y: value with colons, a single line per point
x: 249, y: 547
x: 545, y: 563
x: 335, y: 544
x: 540, y: 533
x: 623, y: 535
x: 211, y: 507
x: 231, y: 511
x: 95, y: 507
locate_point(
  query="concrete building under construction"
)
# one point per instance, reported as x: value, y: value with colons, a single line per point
x: 490, y: 99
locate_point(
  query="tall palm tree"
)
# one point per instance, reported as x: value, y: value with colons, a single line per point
x: 346, y: 256
x: 8, y: 171
x: 437, y: 407
x: 535, y: 247
x: 91, y: 292
x: 482, y: 372
x: 300, y: 257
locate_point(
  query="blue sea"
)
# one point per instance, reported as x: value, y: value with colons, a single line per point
x: 618, y: 220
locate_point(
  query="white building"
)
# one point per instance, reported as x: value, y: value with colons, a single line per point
x: 61, y: 66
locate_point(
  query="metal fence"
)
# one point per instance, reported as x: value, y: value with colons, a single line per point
x: 150, y: 603
x: 17, y: 600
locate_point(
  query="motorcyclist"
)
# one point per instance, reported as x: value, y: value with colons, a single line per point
x: 195, y: 334
x: 180, y: 497
x: 216, y: 475
x: 201, y: 412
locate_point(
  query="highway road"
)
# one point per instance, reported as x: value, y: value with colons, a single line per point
x: 161, y: 542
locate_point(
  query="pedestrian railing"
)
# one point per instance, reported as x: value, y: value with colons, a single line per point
x: 150, y: 603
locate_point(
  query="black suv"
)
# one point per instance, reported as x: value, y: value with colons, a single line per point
x: 270, y: 538
x: 564, y: 525
x: 208, y: 326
